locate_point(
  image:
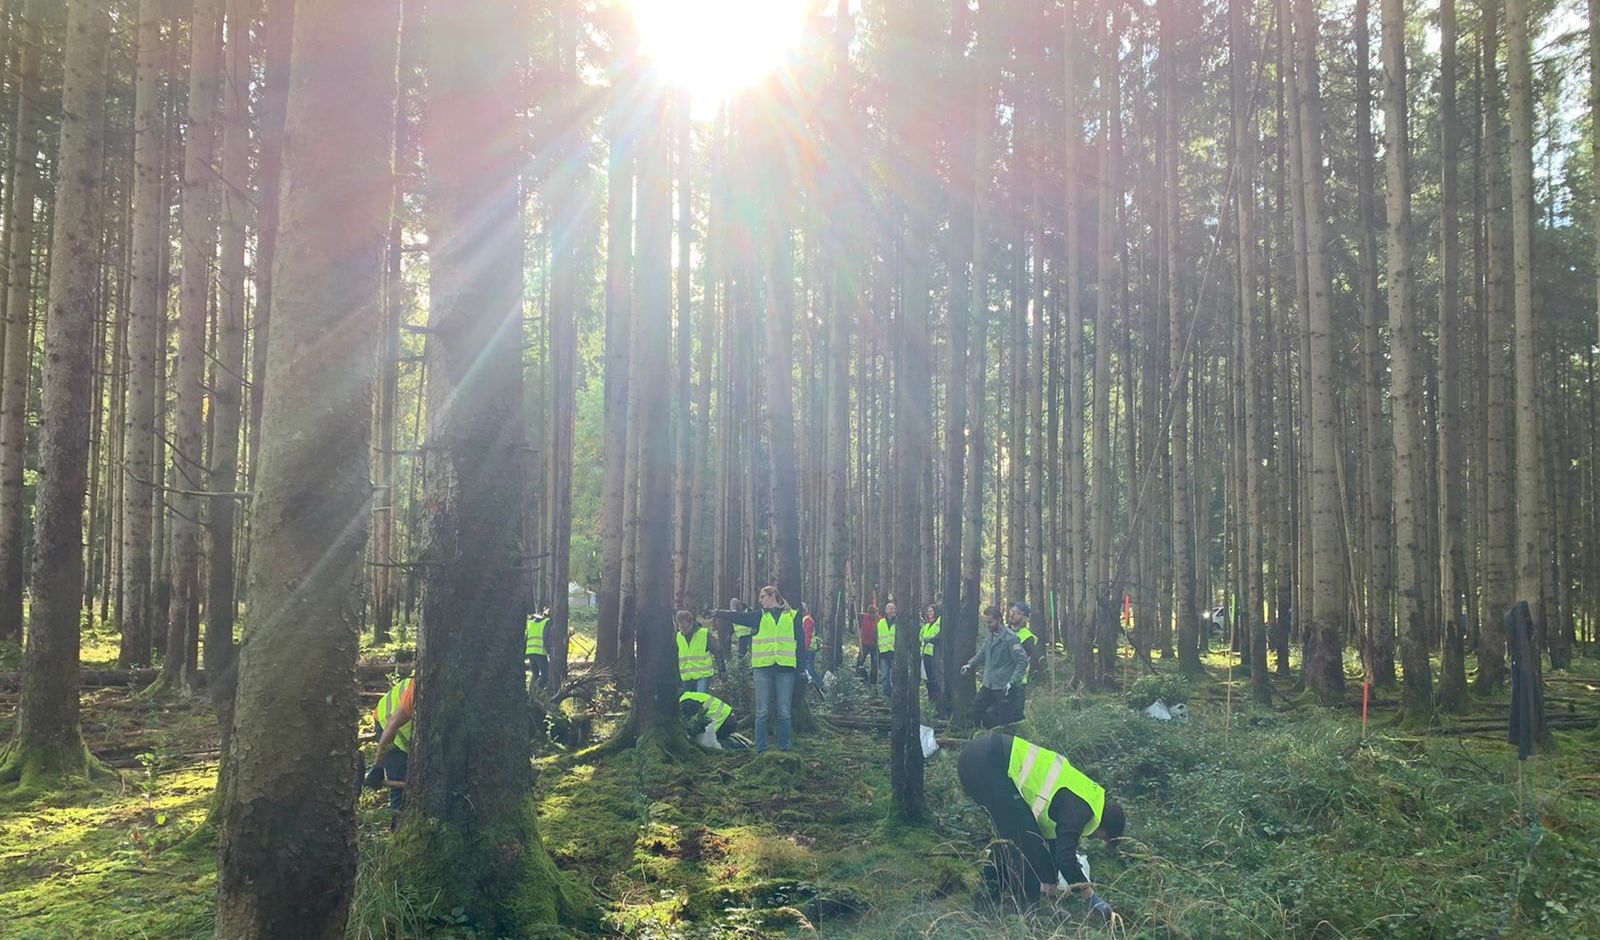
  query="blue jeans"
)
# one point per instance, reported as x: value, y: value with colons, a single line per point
x: 886, y: 669
x: 770, y: 681
x: 808, y: 665
x: 697, y: 685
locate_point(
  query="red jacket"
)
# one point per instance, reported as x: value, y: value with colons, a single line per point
x: 869, y: 630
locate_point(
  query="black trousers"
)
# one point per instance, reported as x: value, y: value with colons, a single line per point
x: 996, y: 707
x: 983, y: 767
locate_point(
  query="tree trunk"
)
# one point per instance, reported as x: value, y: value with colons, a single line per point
x: 18, y: 353
x: 619, y: 291
x: 911, y: 126
x: 1499, y: 587
x: 1249, y: 528
x: 565, y: 198
x: 1325, y: 670
x: 1378, y: 646
x: 1186, y: 603
x: 1452, y: 328
x: 144, y: 332
x: 471, y: 835
x: 297, y: 667
x: 1532, y: 553
x: 1410, y: 452
x: 684, y: 444
x: 48, y: 745
x: 983, y: 131
x: 846, y: 312
x: 1101, y: 497
x: 957, y: 631
x: 199, y: 246
x: 227, y: 386
x: 655, y: 703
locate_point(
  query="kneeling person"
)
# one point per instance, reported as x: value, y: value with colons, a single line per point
x: 714, y: 718
x: 1043, y: 806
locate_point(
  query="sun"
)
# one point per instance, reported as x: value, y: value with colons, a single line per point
x: 717, y: 48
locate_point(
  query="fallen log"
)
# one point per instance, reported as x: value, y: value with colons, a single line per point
x: 139, y: 678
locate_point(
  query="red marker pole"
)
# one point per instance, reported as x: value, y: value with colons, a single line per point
x: 1366, y: 692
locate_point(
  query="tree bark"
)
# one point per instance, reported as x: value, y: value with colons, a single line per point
x: 228, y: 386
x: 1499, y: 586
x: 1452, y: 328
x: 18, y: 353
x: 48, y: 744
x: 297, y: 684
x: 471, y: 835
x: 144, y: 332
x: 1185, y: 603
x: 1410, y: 451
x: 618, y: 298
x: 199, y: 247
x: 1244, y: 161
x: 1534, y: 578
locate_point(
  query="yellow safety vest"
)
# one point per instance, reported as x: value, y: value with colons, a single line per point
x: 930, y: 632
x: 774, y: 643
x: 387, y: 706
x: 1040, y: 774
x: 1023, y: 636
x: 885, y: 636
x: 716, y: 709
x: 536, y: 628
x: 694, y: 655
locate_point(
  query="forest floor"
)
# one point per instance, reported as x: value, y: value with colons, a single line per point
x: 1289, y: 823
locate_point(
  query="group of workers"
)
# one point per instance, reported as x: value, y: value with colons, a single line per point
x: 1041, y: 805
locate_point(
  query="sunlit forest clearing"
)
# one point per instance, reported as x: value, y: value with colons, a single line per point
x: 517, y: 469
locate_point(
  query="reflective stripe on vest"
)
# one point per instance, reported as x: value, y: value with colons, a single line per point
x: 715, y: 708
x: 885, y: 636
x: 694, y: 656
x: 930, y: 632
x: 1040, y: 774
x: 1023, y: 636
x: 387, y: 706
x: 536, y: 628
x: 774, y: 643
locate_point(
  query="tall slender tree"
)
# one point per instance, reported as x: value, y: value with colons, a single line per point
x: 1410, y: 456
x: 27, y: 138
x: 48, y: 743
x: 188, y: 479
x: 144, y: 331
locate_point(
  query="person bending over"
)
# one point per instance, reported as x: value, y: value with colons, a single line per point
x: 1044, y: 807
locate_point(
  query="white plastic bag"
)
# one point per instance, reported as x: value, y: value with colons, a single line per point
x: 929, y: 745
x: 708, y: 738
x: 1159, y: 711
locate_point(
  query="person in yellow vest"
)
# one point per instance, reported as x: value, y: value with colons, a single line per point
x: 1043, y: 807
x: 774, y: 656
x: 695, y: 664
x: 1019, y: 616
x: 711, y: 720
x: 931, y: 626
x: 393, y: 717
x: 886, y: 627
x: 538, y: 658
x: 741, y: 632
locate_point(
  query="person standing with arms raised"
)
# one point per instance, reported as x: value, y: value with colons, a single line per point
x: 774, y: 656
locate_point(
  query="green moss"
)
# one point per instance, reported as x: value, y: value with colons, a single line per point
x: 516, y: 894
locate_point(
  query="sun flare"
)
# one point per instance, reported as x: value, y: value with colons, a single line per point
x: 717, y: 48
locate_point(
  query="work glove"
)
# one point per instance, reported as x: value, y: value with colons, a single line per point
x: 375, y: 777
x: 1101, y: 908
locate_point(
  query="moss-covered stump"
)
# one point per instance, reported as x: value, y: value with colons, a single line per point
x: 514, y: 892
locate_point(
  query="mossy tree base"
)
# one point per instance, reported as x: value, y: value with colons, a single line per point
x: 514, y: 891
x: 28, y: 771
